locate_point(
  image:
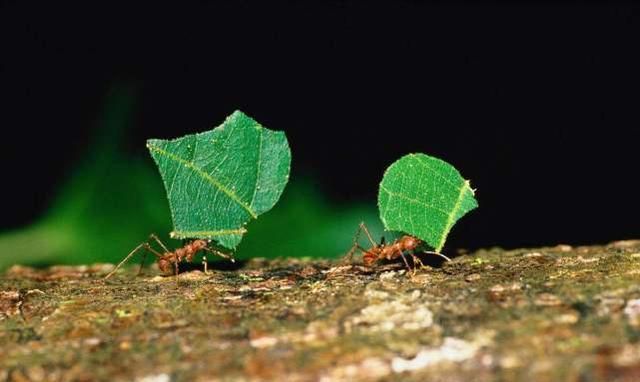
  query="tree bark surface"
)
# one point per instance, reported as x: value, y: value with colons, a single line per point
x: 547, y: 314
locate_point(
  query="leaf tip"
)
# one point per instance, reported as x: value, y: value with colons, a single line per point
x: 152, y: 143
x: 237, y: 113
x: 467, y: 183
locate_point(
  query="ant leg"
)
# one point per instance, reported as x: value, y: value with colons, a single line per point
x: 405, y: 261
x: 349, y: 256
x: 157, y: 240
x: 136, y: 249
x: 416, y: 262
x: 175, y: 263
x: 221, y: 254
x: 364, y: 228
x: 144, y: 257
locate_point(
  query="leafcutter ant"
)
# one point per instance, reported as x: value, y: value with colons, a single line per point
x: 168, y: 258
x: 405, y: 244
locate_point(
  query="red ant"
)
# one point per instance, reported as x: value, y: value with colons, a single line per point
x: 391, y: 251
x: 166, y: 259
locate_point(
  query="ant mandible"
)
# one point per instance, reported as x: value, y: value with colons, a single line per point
x: 166, y: 259
x: 391, y: 251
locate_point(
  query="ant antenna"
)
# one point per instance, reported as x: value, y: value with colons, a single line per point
x: 438, y: 254
x: 221, y: 254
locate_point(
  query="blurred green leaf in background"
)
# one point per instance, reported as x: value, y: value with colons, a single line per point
x: 113, y: 201
x: 108, y: 203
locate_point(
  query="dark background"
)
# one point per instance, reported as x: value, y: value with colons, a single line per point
x: 536, y: 104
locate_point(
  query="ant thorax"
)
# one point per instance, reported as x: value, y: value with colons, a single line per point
x: 400, y: 248
x: 168, y: 260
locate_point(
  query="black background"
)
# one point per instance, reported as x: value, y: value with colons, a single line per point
x: 536, y: 104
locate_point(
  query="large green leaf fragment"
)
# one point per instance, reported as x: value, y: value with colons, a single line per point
x: 217, y: 181
x: 424, y: 197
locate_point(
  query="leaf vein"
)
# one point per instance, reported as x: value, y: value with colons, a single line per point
x: 222, y: 232
x: 436, y: 172
x: 255, y: 188
x: 401, y: 196
x: 451, y: 218
x: 214, y: 182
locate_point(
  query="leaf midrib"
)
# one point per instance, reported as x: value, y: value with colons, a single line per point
x: 213, y: 181
x: 451, y: 217
x: 259, y: 161
x: 402, y: 196
x: 221, y: 232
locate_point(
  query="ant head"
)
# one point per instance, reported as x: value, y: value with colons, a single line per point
x: 165, y: 265
x: 200, y: 243
x: 411, y: 242
x: 370, y: 257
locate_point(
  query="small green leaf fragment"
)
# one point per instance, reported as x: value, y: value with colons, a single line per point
x: 218, y: 180
x: 424, y: 197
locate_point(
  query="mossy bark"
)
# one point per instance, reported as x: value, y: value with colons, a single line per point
x: 546, y: 314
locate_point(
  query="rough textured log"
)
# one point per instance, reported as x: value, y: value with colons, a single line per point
x: 546, y: 314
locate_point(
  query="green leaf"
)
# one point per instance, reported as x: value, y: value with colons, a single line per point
x: 217, y: 181
x: 424, y: 196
